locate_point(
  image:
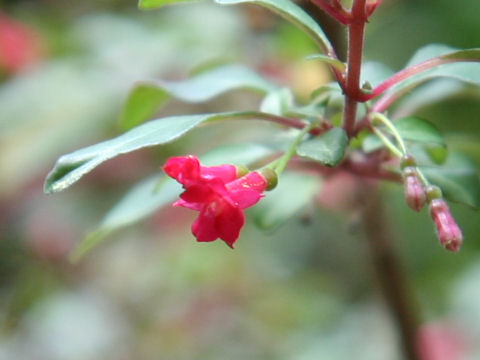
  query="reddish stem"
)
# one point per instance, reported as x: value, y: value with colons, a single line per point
x: 296, y: 123
x: 335, y: 10
x: 352, y: 89
x: 405, y: 74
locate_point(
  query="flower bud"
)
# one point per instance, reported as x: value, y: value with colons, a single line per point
x: 414, y: 192
x: 433, y: 192
x: 448, y: 232
x: 407, y: 161
x: 271, y: 178
x: 241, y: 170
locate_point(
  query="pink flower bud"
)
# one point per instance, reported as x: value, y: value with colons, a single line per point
x: 414, y: 192
x: 448, y: 232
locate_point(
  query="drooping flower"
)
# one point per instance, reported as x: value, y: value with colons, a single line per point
x: 218, y: 194
x: 448, y: 232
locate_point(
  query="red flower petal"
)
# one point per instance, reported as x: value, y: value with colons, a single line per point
x: 229, y: 223
x: 203, y: 228
x: 246, y: 191
x: 189, y: 205
x: 251, y: 181
x: 184, y: 169
x: 226, y: 173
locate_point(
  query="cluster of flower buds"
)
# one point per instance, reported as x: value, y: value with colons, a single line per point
x: 219, y: 194
x: 416, y: 196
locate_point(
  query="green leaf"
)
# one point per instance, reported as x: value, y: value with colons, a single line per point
x: 71, y: 167
x: 327, y: 148
x: 448, y: 62
x: 416, y: 129
x: 293, y: 192
x: 152, y: 4
x: 157, y: 191
x: 371, y: 143
x: 295, y: 14
x: 458, y: 179
x: 148, y: 96
x: 339, y: 65
x: 437, y: 153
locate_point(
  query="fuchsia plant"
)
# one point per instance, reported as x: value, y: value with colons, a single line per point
x: 368, y: 143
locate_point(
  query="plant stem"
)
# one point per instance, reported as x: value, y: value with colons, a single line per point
x: 387, y: 266
x: 352, y: 90
x: 386, y: 141
x: 385, y: 121
x: 336, y: 10
x: 292, y: 150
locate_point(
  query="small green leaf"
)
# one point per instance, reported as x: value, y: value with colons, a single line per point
x: 437, y: 153
x: 152, y: 4
x: 71, y: 167
x: 294, y: 191
x: 295, y: 14
x: 458, y: 179
x: 157, y: 191
x: 327, y: 148
x: 148, y: 96
x: 339, y: 65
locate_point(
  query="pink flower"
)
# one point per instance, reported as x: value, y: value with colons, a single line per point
x: 217, y: 194
x: 448, y: 232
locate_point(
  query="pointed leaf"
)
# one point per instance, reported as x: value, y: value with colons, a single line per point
x: 149, y: 96
x: 327, y: 148
x: 71, y: 167
x: 295, y: 14
x: 293, y: 192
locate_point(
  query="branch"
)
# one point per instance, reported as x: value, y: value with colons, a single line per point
x: 354, y: 63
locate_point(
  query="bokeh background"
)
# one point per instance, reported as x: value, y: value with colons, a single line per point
x: 304, y: 291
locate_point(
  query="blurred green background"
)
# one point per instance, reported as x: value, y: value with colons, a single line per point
x: 306, y: 291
